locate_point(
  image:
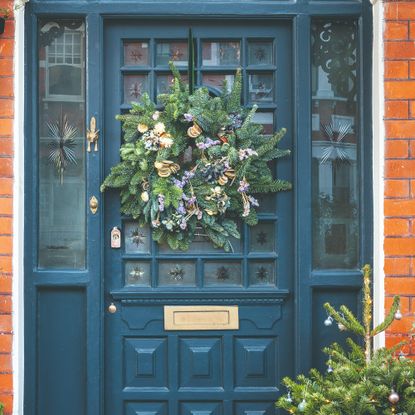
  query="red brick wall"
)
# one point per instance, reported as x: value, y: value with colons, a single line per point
x: 6, y: 202
x: 399, y: 48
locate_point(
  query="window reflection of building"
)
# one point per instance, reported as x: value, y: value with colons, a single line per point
x: 61, y: 91
x: 334, y: 147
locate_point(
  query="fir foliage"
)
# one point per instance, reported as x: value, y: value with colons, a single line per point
x: 194, y: 163
x: 359, y: 379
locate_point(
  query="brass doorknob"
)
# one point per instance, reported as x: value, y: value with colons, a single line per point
x: 93, y: 204
x: 112, y: 308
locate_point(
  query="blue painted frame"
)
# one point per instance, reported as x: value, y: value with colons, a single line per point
x: 308, y: 283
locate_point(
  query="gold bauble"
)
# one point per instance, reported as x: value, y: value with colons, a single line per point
x: 142, y: 128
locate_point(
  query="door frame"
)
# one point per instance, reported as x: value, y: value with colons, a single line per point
x: 300, y: 14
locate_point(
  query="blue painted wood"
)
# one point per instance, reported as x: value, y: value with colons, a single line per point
x: 196, y: 371
x: 301, y: 292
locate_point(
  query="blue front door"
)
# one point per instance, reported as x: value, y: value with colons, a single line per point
x: 237, y: 371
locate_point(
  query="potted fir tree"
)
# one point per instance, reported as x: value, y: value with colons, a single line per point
x: 359, y: 380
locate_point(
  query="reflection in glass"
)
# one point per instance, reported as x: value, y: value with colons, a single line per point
x: 136, y: 53
x: 62, y: 206
x: 260, y: 53
x: 137, y: 238
x: 218, y: 81
x: 267, y: 121
x: 261, y: 87
x: 172, y: 51
x: 165, y: 82
x: 134, y: 87
x: 137, y: 273
x: 266, y: 203
x: 261, y: 273
x: 335, y: 144
x: 177, y: 273
x: 221, y: 53
x: 222, y: 273
x: 262, y: 237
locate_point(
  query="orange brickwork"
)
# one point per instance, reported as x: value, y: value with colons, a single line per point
x: 399, y: 48
x: 6, y: 206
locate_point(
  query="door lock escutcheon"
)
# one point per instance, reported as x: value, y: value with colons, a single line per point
x: 93, y: 205
x: 92, y: 135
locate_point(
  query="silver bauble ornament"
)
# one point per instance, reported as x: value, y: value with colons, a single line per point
x: 341, y: 327
x: 393, y: 398
x: 328, y: 321
x: 330, y: 369
x: 288, y: 398
x: 301, y: 406
x: 398, y: 315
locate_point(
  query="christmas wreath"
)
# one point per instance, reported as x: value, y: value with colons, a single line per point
x: 194, y: 166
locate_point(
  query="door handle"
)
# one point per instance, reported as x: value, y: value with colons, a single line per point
x: 93, y: 204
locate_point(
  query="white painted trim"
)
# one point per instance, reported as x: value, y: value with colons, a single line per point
x: 378, y: 107
x: 18, y: 216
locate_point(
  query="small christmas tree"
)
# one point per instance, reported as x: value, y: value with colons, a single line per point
x: 360, y: 380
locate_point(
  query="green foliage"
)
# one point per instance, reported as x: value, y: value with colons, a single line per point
x: 359, y: 380
x: 195, y: 163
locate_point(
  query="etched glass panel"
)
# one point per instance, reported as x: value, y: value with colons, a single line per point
x: 222, y: 273
x: 137, y: 239
x: 136, y: 53
x: 221, y: 53
x: 262, y: 237
x: 266, y: 202
x: 165, y: 82
x: 261, y: 273
x: 261, y: 87
x: 218, y: 81
x: 62, y: 205
x: 335, y: 142
x: 137, y: 273
x: 134, y: 87
x: 266, y: 119
x: 176, y: 51
x: 177, y: 273
x: 260, y: 52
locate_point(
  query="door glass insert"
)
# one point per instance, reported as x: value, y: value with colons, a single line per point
x: 261, y: 87
x: 218, y: 81
x: 223, y: 273
x: 221, y: 53
x: 137, y: 238
x: 137, y: 273
x: 335, y: 142
x: 134, y: 87
x: 261, y: 273
x: 61, y: 143
x: 177, y: 272
x: 136, y: 53
x: 260, y: 52
x: 175, y: 51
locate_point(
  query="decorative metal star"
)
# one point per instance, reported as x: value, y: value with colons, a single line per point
x: 136, y: 89
x: 136, y: 273
x: 262, y: 273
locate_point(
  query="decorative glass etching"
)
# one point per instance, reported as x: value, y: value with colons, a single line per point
x: 134, y: 87
x: 165, y: 82
x: 222, y: 273
x: 261, y: 87
x: 136, y: 54
x: 267, y: 121
x: 261, y: 273
x: 137, y: 239
x: 137, y: 273
x: 176, y: 51
x: 218, y: 81
x: 221, y: 53
x: 260, y: 52
x: 335, y: 142
x: 177, y: 273
x: 262, y: 237
x: 61, y: 141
